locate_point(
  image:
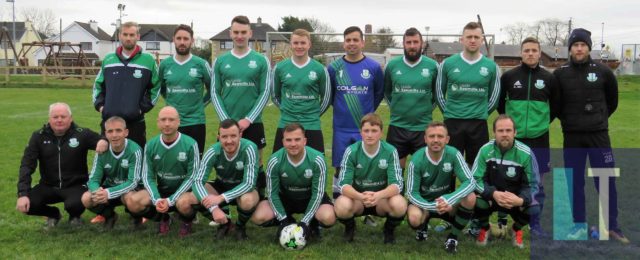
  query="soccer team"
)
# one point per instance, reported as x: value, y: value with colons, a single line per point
x: 454, y: 173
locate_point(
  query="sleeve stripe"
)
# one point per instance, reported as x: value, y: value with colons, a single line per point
x: 96, y: 86
x: 343, y: 166
x: 264, y: 97
x: 145, y: 179
x: 327, y: 92
x: 249, y: 175
x: 398, y: 170
x: 199, y: 178
x: 272, y: 86
x: 215, y: 98
x: 410, y: 182
x: 496, y: 89
x: 439, y: 87
x: 187, y: 183
x: 321, y: 186
x: 269, y: 188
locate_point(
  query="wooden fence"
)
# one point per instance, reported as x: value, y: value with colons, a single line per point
x: 12, y: 76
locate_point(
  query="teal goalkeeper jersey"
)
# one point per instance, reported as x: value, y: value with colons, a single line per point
x: 374, y: 172
x: 239, y: 86
x: 468, y: 89
x: 239, y: 171
x: 409, y: 90
x: 117, y: 173
x: 305, y: 180
x: 428, y: 180
x: 302, y: 92
x: 183, y: 86
x: 168, y: 169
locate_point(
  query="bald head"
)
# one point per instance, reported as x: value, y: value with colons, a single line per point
x: 168, y: 121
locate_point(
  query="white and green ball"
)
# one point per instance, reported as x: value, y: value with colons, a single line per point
x: 292, y: 237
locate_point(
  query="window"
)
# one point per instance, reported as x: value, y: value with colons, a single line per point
x: 153, y: 46
x: 226, y: 45
x: 86, y: 46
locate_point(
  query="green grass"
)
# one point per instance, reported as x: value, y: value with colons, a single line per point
x: 24, y: 110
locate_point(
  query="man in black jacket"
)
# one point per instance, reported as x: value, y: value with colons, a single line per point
x: 61, y: 149
x: 589, y: 96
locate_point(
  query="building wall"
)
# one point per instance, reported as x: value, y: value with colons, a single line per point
x: 29, y: 36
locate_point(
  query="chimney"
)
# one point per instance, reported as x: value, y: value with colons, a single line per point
x: 94, y: 25
x: 368, y: 28
x: 259, y: 22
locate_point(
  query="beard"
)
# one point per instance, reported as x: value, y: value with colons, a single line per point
x: 185, y: 52
x: 412, y: 58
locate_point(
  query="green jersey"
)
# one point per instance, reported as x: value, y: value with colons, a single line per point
x: 370, y: 172
x: 117, y: 173
x: 428, y: 180
x: 239, y: 171
x: 302, y: 92
x: 168, y: 170
x: 239, y: 86
x: 304, y: 180
x: 182, y: 85
x: 468, y: 89
x: 409, y: 90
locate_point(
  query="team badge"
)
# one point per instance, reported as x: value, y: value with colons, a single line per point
x: 73, y: 142
x: 308, y: 173
x: 425, y: 73
x: 193, y: 72
x: 239, y: 165
x: 124, y: 163
x: 313, y: 75
x: 454, y: 87
x: 252, y: 64
x: 539, y: 84
x: 484, y: 71
x: 592, y: 77
x: 446, y: 167
x: 511, y: 171
x: 182, y: 156
x: 137, y: 74
x: 382, y: 164
x: 365, y: 74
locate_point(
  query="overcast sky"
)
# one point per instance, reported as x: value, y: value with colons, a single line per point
x: 621, y: 22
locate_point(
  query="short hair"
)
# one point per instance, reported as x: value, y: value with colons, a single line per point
x: 471, y: 26
x: 228, y: 123
x: 373, y: 119
x: 302, y: 33
x: 65, y: 105
x: 530, y: 40
x: 411, y: 32
x: 503, y: 117
x: 185, y: 28
x: 115, y: 119
x: 351, y: 29
x: 434, y: 124
x: 292, y: 127
x: 130, y: 24
x: 241, y: 19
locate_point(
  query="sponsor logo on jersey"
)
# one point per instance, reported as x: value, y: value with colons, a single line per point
x: 409, y: 89
x: 227, y: 66
x: 425, y: 73
x: 253, y: 64
x: 398, y: 72
x: 298, y: 96
x: 182, y: 156
x: 446, y: 167
x: 365, y: 74
x: 357, y: 90
x: 456, y: 70
x: 511, y: 171
x: 454, y: 87
x: 308, y: 173
x: 313, y: 75
x: 287, y: 76
x: 517, y: 84
x: 73, y: 142
x: 239, y: 165
x: 467, y: 88
x: 193, y: 72
x: 137, y: 74
x: 591, y: 77
x: 238, y: 83
x: 157, y: 157
x: 539, y: 84
x: 382, y: 164
x: 359, y: 166
x: 124, y: 163
x: 107, y: 166
x: 484, y: 71
x: 284, y: 175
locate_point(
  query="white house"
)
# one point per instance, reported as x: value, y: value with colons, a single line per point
x: 156, y: 39
x: 95, y: 42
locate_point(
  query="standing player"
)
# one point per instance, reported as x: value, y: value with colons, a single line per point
x: 357, y: 84
x: 371, y: 181
x: 235, y: 161
x: 301, y: 88
x: 115, y: 173
x: 429, y: 190
x: 297, y: 175
x: 171, y: 161
x: 181, y: 84
x: 409, y: 83
x: 239, y: 87
x: 504, y: 172
x: 530, y: 96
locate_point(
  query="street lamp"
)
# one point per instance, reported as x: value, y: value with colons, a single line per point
x: 13, y: 41
x: 119, y: 22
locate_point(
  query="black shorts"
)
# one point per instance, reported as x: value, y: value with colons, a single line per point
x: 315, y: 139
x: 255, y: 134
x: 405, y: 141
x: 540, y: 148
x: 222, y: 187
x: 468, y: 136
x: 434, y: 214
x: 197, y: 132
x: 292, y: 206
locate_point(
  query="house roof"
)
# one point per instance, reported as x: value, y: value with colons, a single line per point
x: 155, y: 32
x: 508, y: 50
x: 100, y: 34
x: 20, y: 30
x: 259, y: 33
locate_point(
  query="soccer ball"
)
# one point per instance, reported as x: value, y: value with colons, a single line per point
x: 499, y: 231
x: 292, y: 237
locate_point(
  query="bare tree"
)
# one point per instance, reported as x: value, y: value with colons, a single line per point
x: 44, y: 20
x: 554, y: 31
x: 516, y: 32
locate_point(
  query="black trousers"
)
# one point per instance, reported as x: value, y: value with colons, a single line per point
x: 42, y: 196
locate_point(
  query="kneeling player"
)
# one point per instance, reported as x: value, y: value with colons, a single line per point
x: 430, y: 174
x: 504, y: 172
x: 235, y: 161
x: 371, y: 181
x: 296, y: 179
x: 115, y: 173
